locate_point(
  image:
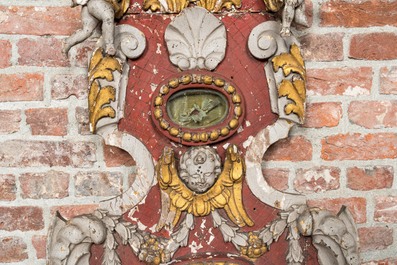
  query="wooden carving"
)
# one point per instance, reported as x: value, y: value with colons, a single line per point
x: 196, y: 99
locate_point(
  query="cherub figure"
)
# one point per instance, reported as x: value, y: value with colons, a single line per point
x: 200, y: 168
x: 293, y: 10
x: 94, y: 12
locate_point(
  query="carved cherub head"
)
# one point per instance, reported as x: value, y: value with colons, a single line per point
x: 200, y: 168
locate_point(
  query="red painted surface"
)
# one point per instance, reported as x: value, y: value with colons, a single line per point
x: 154, y: 66
x: 247, y: 73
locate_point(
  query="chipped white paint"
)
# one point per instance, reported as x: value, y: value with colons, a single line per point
x: 194, y: 247
x: 145, y: 177
x: 315, y: 175
x: 40, y: 9
x: 247, y: 142
x: 355, y: 91
x: 137, y: 222
x: 212, y: 236
x: 158, y: 50
x: 153, y: 86
x: 226, y: 145
x: 253, y: 159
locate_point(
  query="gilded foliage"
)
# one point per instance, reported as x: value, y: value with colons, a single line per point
x: 101, y: 67
x: 176, y: 6
x: 226, y: 193
x: 274, y: 5
x: 295, y: 90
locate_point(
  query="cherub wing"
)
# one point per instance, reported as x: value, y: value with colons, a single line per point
x: 175, y: 196
x: 227, y: 191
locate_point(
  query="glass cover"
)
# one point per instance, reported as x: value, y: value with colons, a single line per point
x: 197, y: 108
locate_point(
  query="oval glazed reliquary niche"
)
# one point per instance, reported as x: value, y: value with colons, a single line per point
x: 197, y: 109
x: 197, y: 98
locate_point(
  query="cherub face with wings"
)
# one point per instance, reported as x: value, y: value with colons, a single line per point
x: 200, y: 168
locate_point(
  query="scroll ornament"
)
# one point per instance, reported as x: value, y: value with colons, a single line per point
x: 201, y: 185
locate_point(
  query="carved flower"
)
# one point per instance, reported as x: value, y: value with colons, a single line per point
x: 255, y: 247
x: 152, y: 251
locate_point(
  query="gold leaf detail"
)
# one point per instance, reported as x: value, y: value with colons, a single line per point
x: 295, y: 90
x: 225, y: 194
x: 176, y: 6
x: 290, y: 62
x: 289, y: 90
x: 101, y: 67
x: 274, y: 5
x: 255, y: 247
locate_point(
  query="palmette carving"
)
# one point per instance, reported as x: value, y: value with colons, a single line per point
x: 199, y: 187
x: 196, y: 39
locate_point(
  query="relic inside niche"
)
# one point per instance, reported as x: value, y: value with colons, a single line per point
x: 197, y: 108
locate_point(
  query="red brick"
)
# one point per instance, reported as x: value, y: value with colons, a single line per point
x: 343, y: 13
x: 318, y: 179
x: 39, y: 244
x: 295, y: 148
x: 13, y: 249
x: 373, y: 46
x: 5, y: 51
x: 324, y: 47
x: 70, y: 211
x: 356, y: 205
x: 375, y: 238
x: 309, y: 15
x: 35, y: 20
x: 19, y: 153
x: 82, y: 120
x: 98, y: 183
x: 386, y: 209
x: 21, y: 87
x: 82, y: 54
x: 388, y: 80
x: 359, y: 146
x: 325, y: 114
x: 47, y: 121
x: 388, y: 261
x: 43, y: 51
x: 24, y: 218
x: 339, y: 81
x: 8, y: 187
x: 10, y: 121
x: 277, y: 178
x: 65, y: 85
x: 49, y: 185
x: 380, y: 177
x: 373, y: 114
x: 115, y: 157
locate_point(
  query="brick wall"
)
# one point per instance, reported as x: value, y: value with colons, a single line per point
x: 346, y: 153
